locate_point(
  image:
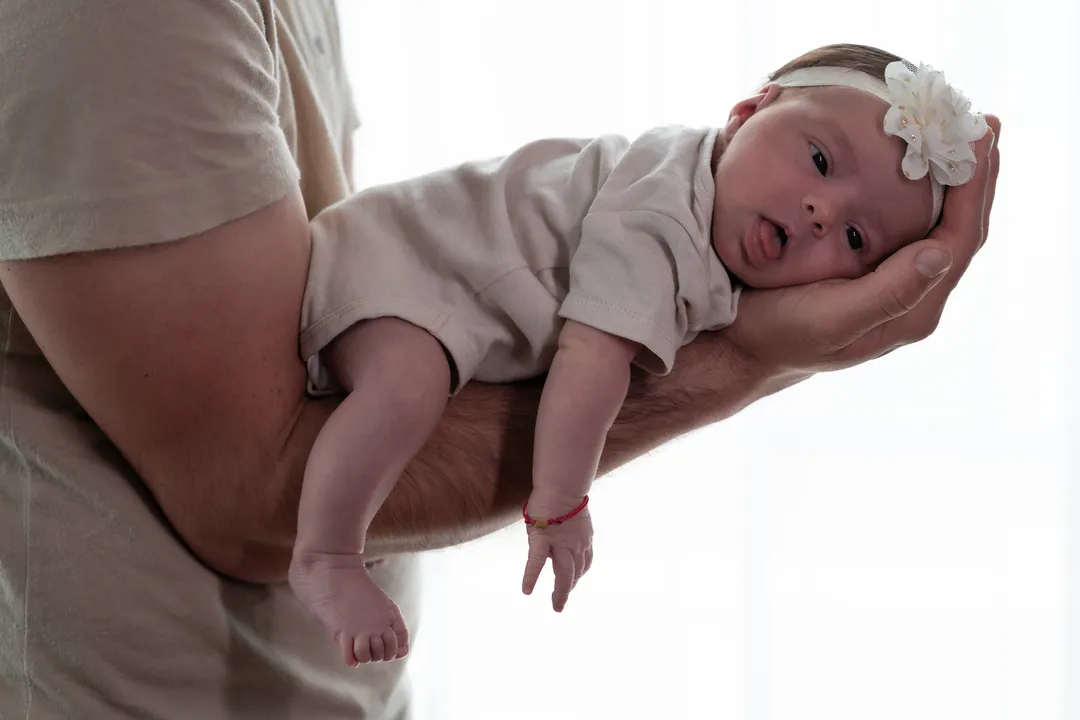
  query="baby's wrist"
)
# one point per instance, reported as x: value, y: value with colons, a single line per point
x: 545, y: 505
x: 544, y: 517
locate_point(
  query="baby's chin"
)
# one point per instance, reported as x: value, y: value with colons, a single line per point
x: 743, y: 274
x: 759, y: 278
x: 755, y: 278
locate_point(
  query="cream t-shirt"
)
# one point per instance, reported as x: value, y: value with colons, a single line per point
x: 491, y: 256
x: 123, y: 123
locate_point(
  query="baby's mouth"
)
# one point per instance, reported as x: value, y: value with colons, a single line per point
x: 772, y: 240
x: 781, y: 234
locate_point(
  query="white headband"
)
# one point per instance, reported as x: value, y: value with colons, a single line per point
x: 930, y: 115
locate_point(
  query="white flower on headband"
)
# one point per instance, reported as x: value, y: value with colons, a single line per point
x: 934, y: 119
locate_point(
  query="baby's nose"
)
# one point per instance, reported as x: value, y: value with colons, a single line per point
x: 821, y: 215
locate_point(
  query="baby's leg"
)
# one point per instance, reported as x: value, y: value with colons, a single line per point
x: 398, y: 378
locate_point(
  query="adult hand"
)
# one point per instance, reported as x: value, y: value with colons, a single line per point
x: 840, y: 323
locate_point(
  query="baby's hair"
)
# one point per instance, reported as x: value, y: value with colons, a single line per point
x: 869, y: 60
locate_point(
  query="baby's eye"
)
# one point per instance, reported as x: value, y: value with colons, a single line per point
x: 819, y: 159
x: 854, y: 239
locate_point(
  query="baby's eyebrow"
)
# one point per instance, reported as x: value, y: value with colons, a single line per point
x: 841, y: 140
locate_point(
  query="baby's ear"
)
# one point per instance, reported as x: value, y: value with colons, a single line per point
x: 746, y: 108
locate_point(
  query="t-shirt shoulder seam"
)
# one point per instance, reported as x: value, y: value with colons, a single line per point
x: 587, y: 301
x: 34, y: 218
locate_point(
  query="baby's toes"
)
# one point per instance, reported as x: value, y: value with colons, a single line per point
x: 402, y: 639
x: 345, y: 645
x: 401, y: 630
x: 390, y: 645
x: 360, y: 648
x: 375, y: 642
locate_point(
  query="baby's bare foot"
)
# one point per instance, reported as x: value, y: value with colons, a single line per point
x: 364, y: 622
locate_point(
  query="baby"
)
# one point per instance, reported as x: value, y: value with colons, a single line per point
x: 580, y: 258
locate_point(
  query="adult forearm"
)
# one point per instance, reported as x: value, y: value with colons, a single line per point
x: 711, y: 381
x: 474, y: 474
x: 468, y: 481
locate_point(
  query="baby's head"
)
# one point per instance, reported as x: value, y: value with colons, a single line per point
x: 838, y: 162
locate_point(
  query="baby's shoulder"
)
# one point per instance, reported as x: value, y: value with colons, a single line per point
x: 669, y: 152
x: 662, y: 164
x: 671, y: 139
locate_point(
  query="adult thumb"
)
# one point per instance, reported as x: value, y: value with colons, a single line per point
x: 932, y: 263
x: 896, y: 287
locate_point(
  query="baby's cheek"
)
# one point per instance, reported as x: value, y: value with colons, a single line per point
x: 827, y: 263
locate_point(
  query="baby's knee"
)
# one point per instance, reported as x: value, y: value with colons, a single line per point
x: 419, y: 391
x: 394, y: 356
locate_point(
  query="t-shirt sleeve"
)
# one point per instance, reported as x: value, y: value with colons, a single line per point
x: 628, y: 275
x: 623, y: 281
x: 137, y: 122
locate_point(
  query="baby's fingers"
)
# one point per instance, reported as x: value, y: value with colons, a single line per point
x: 563, y: 564
x: 538, y: 555
x: 582, y: 561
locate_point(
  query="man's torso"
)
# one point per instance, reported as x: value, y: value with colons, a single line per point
x: 103, y: 612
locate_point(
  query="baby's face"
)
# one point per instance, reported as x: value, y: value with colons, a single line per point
x: 809, y: 187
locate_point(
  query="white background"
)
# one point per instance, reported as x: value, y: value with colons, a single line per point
x: 899, y: 540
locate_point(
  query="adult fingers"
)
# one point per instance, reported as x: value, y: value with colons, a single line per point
x: 962, y: 224
x: 995, y: 166
x: 856, y: 308
x: 897, y: 284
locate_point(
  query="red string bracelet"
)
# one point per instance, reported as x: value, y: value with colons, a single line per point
x: 554, y: 521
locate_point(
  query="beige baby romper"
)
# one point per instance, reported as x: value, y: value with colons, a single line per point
x: 490, y: 257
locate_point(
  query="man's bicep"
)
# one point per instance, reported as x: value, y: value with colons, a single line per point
x: 185, y: 353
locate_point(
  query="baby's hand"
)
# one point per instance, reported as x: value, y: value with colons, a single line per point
x: 569, y: 545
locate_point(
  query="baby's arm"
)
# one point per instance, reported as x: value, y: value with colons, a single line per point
x: 585, y: 388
